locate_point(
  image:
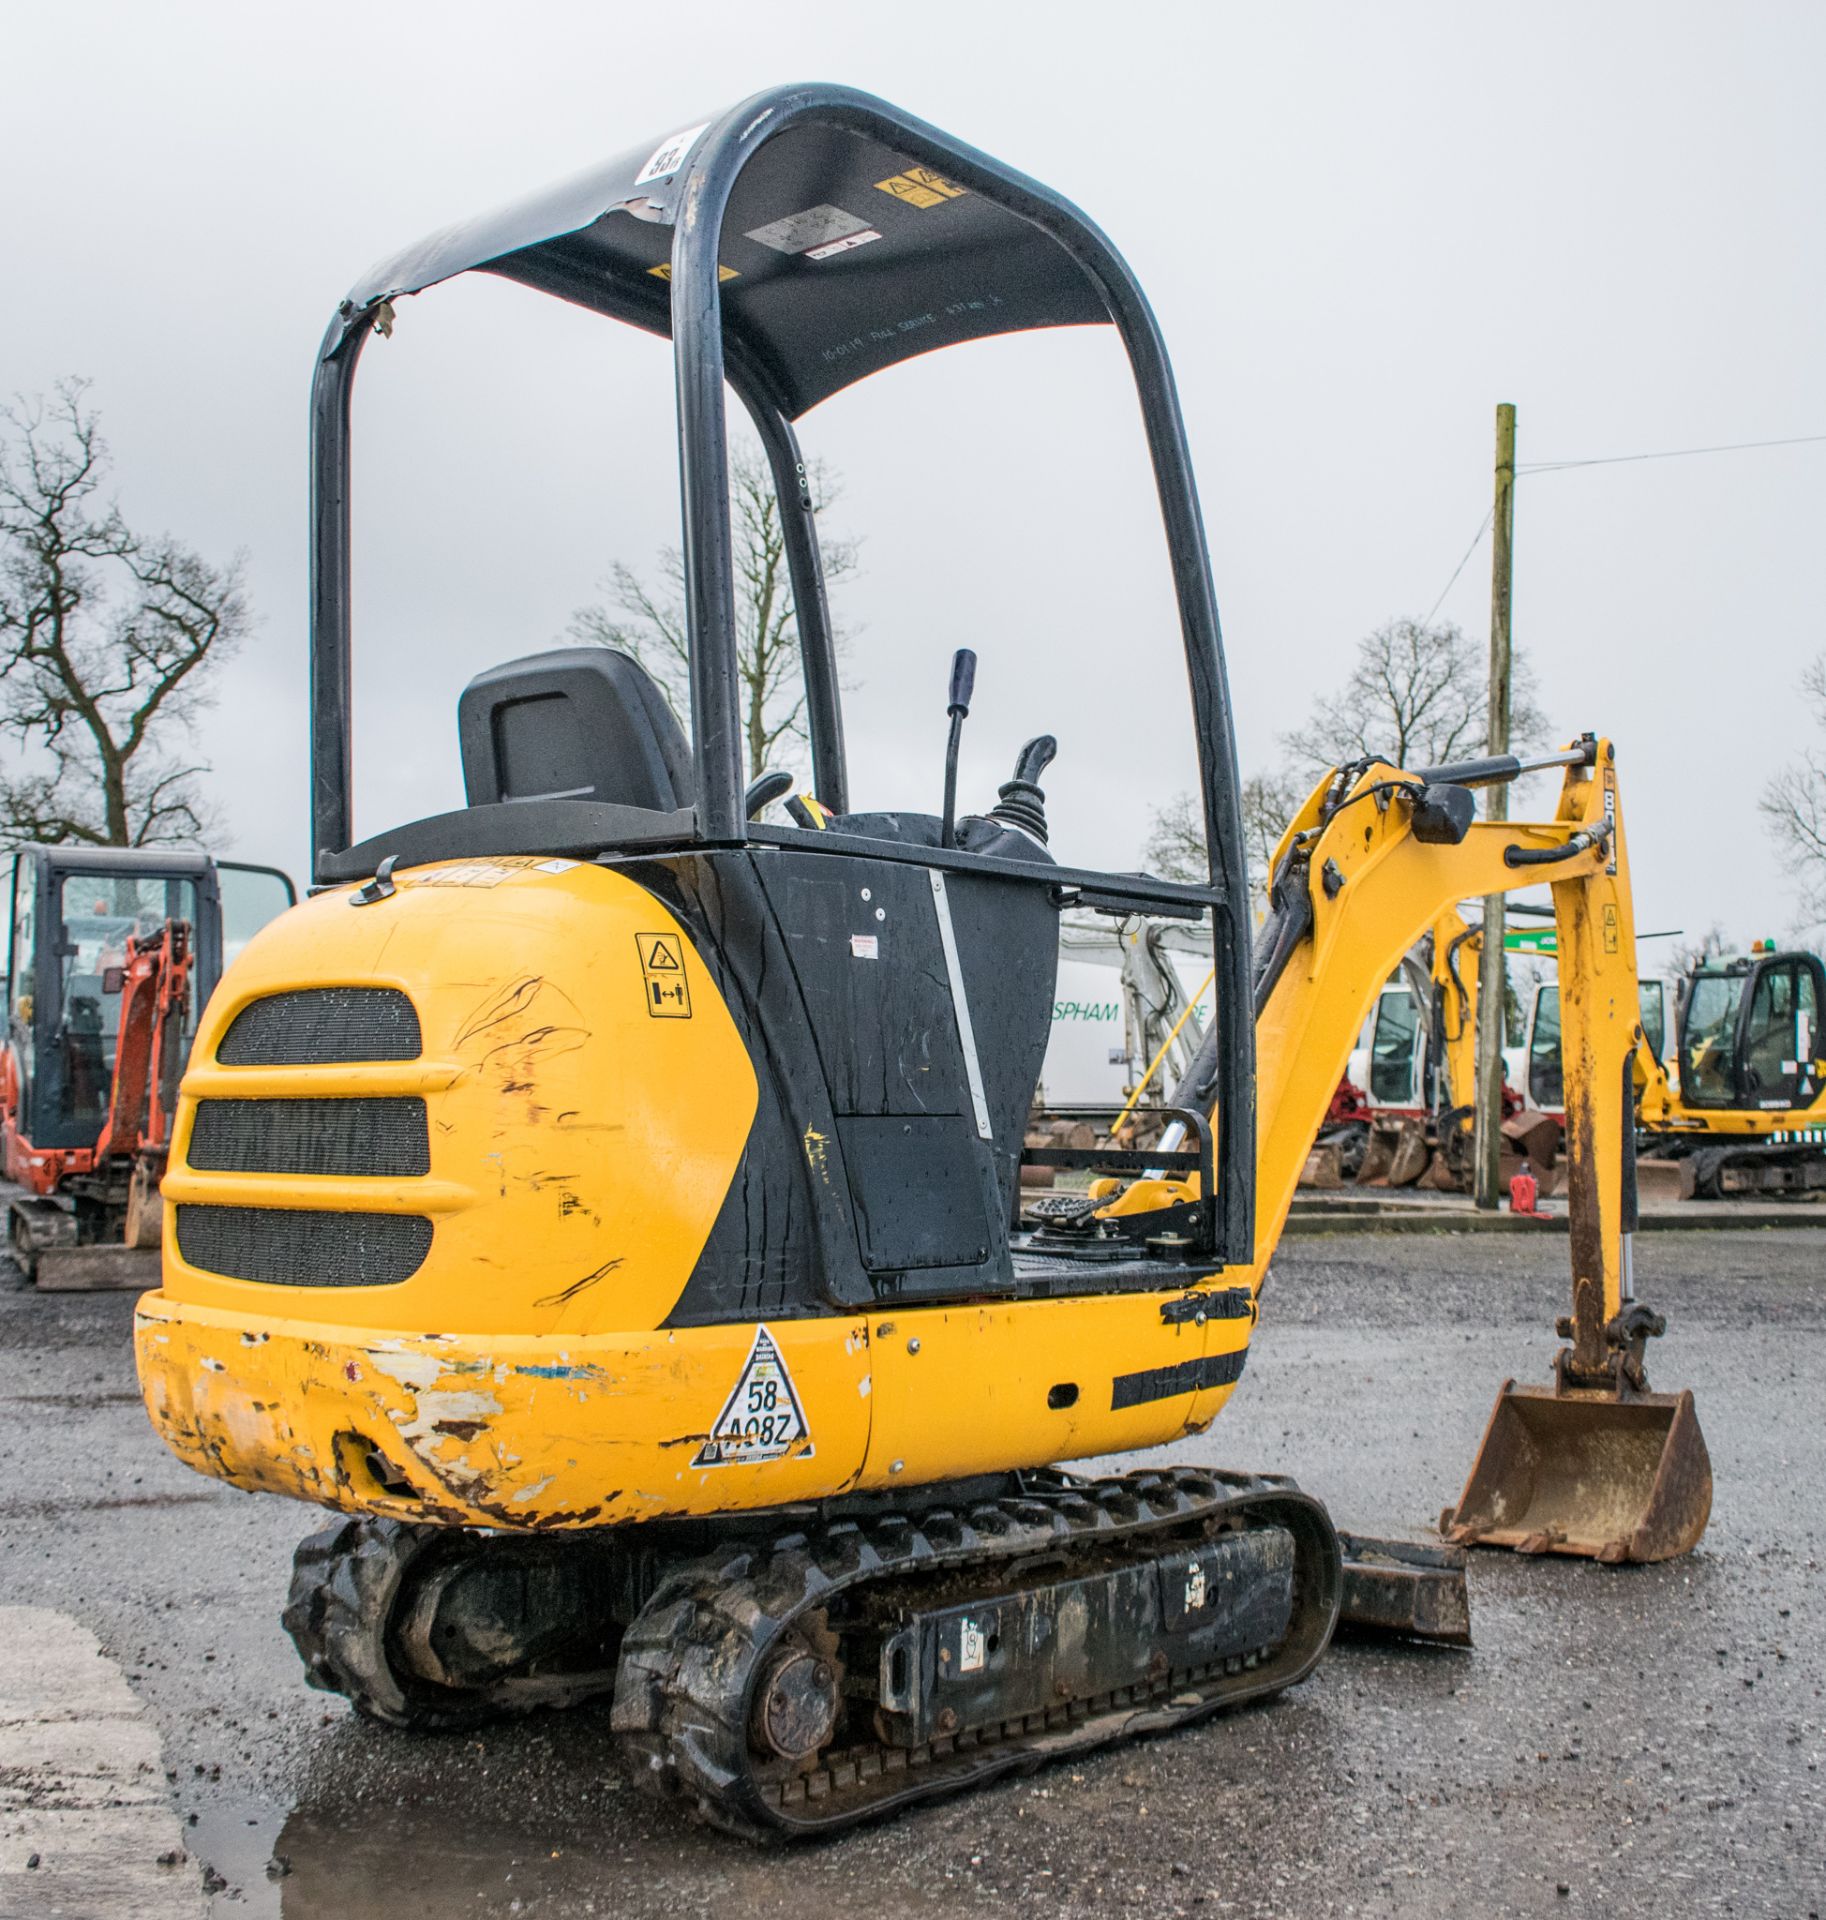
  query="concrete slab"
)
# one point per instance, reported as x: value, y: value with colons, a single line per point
x: 1417, y: 1210
x: 87, y: 1827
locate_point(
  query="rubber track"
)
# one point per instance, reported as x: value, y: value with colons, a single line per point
x: 690, y: 1660
x: 348, y: 1581
x: 1711, y: 1163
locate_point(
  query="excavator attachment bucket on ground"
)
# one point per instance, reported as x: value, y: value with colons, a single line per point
x: 1396, y: 1156
x: 1587, y: 1473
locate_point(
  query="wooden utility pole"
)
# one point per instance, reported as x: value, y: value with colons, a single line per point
x: 1492, y: 973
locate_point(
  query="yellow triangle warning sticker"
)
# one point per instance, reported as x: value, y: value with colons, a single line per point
x: 662, y: 970
x: 762, y: 1418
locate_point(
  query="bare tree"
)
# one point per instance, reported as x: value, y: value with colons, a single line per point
x: 648, y: 620
x: 1176, y: 841
x: 107, y: 637
x: 1794, y: 802
x: 1175, y: 847
x: 1688, y: 954
x: 1418, y: 696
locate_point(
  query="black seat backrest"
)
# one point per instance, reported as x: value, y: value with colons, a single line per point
x: 578, y: 723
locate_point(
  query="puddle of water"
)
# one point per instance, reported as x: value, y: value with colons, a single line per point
x: 235, y: 1837
x: 408, y: 1864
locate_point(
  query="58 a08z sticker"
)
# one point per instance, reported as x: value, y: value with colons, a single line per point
x: 762, y: 1418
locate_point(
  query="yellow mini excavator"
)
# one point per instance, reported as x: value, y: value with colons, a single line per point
x: 1747, y: 1112
x: 608, y: 1200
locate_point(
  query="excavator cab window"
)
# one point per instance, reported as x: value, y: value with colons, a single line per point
x: 1394, y: 1049
x: 1546, y: 1070
x: 22, y: 985
x: 1546, y: 1075
x: 251, y: 896
x: 1708, y: 1050
x: 96, y: 915
x: 22, y: 953
x: 1652, y: 998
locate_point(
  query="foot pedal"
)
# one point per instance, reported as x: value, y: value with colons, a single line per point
x: 1056, y: 1210
x: 1405, y: 1589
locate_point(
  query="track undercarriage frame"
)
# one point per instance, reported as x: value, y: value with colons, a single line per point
x: 800, y: 1671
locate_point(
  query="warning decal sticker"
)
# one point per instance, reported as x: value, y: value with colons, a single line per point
x: 762, y: 1418
x: 845, y: 245
x: 816, y: 227
x: 920, y: 187
x: 470, y: 874
x: 488, y: 871
x: 664, y: 272
x: 662, y: 972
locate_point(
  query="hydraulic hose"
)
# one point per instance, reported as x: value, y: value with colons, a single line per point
x: 1581, y: 842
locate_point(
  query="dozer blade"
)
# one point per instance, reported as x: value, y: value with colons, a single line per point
x: 1404, y: 1588
x: 97, y: 1269
x: 1581, y: 1472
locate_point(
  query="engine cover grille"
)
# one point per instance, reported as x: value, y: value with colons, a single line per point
x: 371, y: 1137
x: 322, y: 1026
x: 296, y: 1247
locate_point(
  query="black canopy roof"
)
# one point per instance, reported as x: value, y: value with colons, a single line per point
x: 849, y: 243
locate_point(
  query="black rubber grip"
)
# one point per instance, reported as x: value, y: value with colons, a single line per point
x: 963, y: 680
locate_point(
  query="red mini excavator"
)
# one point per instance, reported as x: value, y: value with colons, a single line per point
x: 113, y: 950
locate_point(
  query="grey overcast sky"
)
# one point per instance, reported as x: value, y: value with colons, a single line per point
x: 1360, y: 226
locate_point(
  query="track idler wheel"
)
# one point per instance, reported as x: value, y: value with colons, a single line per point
x: 798, y: 1699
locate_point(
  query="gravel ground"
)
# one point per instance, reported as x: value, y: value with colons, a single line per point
x: 1638, y: 1741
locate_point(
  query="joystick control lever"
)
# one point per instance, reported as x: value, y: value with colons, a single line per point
x: 1019, y: 802
x: 963, y: 684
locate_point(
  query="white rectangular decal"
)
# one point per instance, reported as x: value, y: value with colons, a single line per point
x: 669, y: 155
x: 844, y: 245
x: 815, y: 227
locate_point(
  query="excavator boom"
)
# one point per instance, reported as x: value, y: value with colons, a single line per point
x: 1595, y: 1464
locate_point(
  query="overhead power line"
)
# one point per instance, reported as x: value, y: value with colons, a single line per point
x: 1671, y: 453
x: 1612, y: 460
x: 1483, y: 527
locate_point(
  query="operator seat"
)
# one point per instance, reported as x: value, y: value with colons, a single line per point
x: 576, y: 723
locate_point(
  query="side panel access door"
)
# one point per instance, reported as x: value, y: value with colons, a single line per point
x: 928, y: 998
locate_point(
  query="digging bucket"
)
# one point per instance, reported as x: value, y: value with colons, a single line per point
x: 1587, y: 1473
